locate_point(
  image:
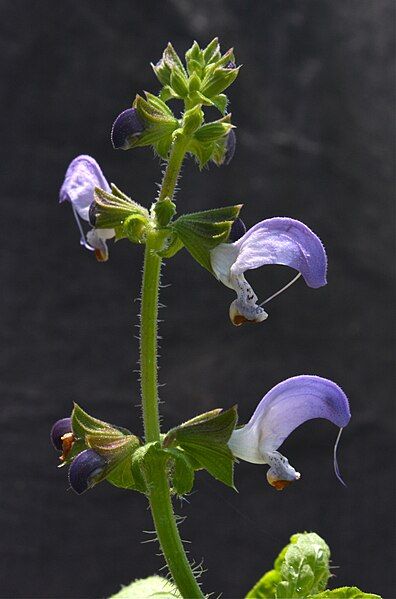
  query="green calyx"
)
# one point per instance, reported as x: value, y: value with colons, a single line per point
x: 117, y: 211
x: 115, y: 444
x: 200, y: 232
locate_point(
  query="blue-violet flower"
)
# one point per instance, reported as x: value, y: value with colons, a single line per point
x: 85, y: 470
x: 273, y: 241
x: 82, y: 176
x: 288, y: 405
x: 125, y: 128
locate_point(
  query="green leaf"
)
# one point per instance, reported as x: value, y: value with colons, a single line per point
x: 215, y: 130
x: 344, y: 593
x: 112, y: 209
x: 205, y: 438
x: 302, y: 568
x: 145, y: 588
x: 202, y: 231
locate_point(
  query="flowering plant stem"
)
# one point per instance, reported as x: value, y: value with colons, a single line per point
x: 159, y: 493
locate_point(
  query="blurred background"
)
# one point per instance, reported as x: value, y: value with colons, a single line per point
x: 314, y: 107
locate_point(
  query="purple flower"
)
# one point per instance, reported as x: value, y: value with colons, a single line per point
x: 61, y: 427
x: 82, y: 176
x: 274, y: 241
x: 85, y: 470
x: 125, y: 128
x: 279, y: 413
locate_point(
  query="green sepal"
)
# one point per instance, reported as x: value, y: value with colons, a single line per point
x: 172, y: 60
x: 164, y: 211
x: 194, y: 59
x: 158, y: 105
x: 204, y: 439
x: 217, y: 81
x: 135, y: 227
x: 173, y: 245
x: 115, y: 444
x: 148, y: 588
x: 215, y: 130
x: 111, y: 209
x: 179, y: 84
x: 194, y: 83
x: 301, y: 569
x: 344, y: 593
x: 158, y: 121
x: 200, y: 232
x: 221, y: 102
x: 192, y: 120
x: 144, y: 459
x: 182, y: 471
x: 212, y: 51
x: 162, y: 147
x: 203, y: 152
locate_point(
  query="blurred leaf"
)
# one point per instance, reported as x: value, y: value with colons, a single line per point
x: 153, y: 586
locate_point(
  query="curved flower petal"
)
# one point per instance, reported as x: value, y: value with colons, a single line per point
x: 274, y: 241
x: 288, y: 405
x: 284, y: 241
x: 125, y: 128
x: 82, y: 176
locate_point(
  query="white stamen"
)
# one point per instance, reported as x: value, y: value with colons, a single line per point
x: 336, y: 468
x: 290, y: 283
x: 83, y: 240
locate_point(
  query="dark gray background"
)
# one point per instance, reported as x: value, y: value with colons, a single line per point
x: 314, y: 110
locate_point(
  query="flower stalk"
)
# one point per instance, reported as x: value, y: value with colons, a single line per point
x: 159, y: 494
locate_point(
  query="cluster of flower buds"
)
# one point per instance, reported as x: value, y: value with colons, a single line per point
x: 200, y: 82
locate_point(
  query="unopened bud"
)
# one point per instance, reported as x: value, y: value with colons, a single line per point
x: 125, y: 128
x: 85, y: 470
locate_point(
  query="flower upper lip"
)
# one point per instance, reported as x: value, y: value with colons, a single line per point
x: 284, y: 408
x: 278, y: 240
x: 82, y: 176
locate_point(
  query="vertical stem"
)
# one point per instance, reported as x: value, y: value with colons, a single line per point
x: 173, y: 168
x: 159, y: 495
x: 148, y: 343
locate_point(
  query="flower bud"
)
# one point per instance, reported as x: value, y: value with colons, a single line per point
x: 85, y: 470
x: 61, y: 427
x: 126, y: 126
x: 238, y: 230
x: 230, y: 65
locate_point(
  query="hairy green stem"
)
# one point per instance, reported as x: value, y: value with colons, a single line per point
x: 173, y: 168
x: 159, y: 495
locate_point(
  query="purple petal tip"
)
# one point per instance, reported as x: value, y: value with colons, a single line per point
x: 85, y: 469
x: 126, y: 127
x: 60, y: 428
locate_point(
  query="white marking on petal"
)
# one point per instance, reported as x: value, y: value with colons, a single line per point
x: 281, y: 473
x: 245, y: 307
